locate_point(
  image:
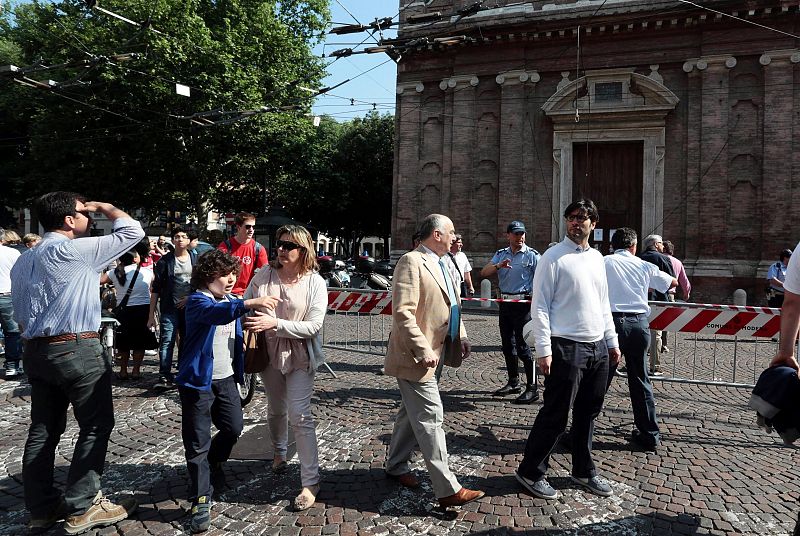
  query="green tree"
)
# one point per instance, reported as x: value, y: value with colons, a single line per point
x: 117, y: 129
x: 350, y: 165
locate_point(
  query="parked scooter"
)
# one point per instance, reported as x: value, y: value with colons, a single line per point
x: 327, y: 269
x: 367, y: 277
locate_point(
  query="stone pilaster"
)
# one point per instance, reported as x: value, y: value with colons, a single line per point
x: 514, y: 202
x: 457, y: 185
x: 408, y: 114
x: 776, y: 191
x: 712, y: 178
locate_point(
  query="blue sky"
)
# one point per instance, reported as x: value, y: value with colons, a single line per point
x: 376, y: 86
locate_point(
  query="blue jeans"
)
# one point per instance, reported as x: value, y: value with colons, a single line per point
x: 60, y: 374
x: 173, y: 323
x: 11, y: 332
x: 634, y: 339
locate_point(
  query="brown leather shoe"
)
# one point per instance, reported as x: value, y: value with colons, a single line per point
x: 406, y: 479
x: 461, y: 498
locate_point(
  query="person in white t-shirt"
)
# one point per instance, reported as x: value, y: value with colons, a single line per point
x: 133, y: 335
x: 460, y: 268
x: 790, y: 324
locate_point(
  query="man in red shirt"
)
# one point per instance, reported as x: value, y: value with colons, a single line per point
x: 250, y: 253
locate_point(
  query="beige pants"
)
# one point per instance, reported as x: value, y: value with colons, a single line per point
x: 419, y: 422
x: 289, y: 398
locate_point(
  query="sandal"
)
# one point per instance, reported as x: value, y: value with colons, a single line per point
x: 121, y: 377
x: 307, y: 497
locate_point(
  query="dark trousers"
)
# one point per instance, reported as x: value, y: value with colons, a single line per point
x: 634, y: 340
x: 61, y: 374
x: 776, y: 301
x: 221, y: 406
x: 578, y: 380
x: 513, y: 316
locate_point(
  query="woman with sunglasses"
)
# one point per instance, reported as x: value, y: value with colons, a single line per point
x: 295, y: 350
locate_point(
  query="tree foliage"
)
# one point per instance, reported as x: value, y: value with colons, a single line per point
x: 114, y: 129
x: 351, y: 165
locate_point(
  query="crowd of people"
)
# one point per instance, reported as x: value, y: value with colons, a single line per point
x: 577, y: 311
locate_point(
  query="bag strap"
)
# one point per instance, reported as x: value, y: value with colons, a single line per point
x: 124, y: 301
x: 228, y: 245
x: 453, y: 260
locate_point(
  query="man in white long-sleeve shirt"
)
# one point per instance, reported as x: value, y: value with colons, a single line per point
x: 575, y: 339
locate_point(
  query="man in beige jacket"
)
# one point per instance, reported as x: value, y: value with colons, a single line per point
x: 426, y: 327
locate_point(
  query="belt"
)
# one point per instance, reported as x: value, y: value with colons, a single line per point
x: 625, y: 315
x: 67, y: 337
x: 515, y: 296
x: 5, y: 294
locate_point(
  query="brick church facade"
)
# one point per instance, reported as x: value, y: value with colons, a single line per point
x: 674, y: 119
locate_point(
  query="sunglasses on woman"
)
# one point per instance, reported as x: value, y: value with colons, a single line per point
x: 286, y: 245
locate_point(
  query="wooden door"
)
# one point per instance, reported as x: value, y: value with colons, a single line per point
x: 610, y: 174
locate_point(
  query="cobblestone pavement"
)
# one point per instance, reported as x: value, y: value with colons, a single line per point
x: 716, y: 473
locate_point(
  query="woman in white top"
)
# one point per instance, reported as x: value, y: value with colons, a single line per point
x: 132, y: 334
x: 295, y: 350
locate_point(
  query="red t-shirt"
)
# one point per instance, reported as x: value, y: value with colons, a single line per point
x: 148, y: 261
x: 245, y: 253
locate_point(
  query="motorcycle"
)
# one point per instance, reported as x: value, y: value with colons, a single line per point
x: 367, y: 276
x: 327, y: 269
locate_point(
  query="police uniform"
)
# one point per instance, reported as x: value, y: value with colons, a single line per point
x: 515, y: 284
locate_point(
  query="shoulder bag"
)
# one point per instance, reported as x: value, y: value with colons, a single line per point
x: 117, y: 311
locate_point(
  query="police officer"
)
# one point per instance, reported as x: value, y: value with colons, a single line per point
x: 515, y: 266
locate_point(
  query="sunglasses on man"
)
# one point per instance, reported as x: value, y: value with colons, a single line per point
x: 286, y: 245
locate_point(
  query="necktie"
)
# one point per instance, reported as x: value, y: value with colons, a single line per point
x: 455, y: 314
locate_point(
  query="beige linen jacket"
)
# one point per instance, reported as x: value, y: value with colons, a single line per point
x: 420, y: 315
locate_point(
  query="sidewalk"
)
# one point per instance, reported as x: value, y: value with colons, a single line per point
x: 716, y: 473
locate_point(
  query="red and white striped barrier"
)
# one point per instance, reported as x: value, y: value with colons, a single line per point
x: 715, y: 319
x: 666, y: 316
x: 374, y: 303
x: 379, y: 303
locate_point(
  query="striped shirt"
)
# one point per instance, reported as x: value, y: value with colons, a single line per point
x: 55, y: 287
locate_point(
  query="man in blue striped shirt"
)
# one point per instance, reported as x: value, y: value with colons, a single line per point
x: 55, y: 292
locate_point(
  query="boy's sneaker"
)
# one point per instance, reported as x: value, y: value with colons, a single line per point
x: 595, y: 484
x: 540, y: 488
x: 201, y: 515
x: 102, y: 512
x: 12, y: 369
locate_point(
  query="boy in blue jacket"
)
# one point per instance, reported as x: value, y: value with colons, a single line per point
x: 210, y: 365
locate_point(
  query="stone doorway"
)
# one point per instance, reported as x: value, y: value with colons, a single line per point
x: 612, y: 106
x: 610, y: 174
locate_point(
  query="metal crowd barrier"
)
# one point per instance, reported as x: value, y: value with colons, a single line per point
x: 723, y: 345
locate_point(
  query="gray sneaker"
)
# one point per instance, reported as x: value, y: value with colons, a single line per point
x: 595, y: 484
x: 540, y: 488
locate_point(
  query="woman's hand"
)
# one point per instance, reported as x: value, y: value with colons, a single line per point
x: 262, y: 303
x: 260, y: 322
